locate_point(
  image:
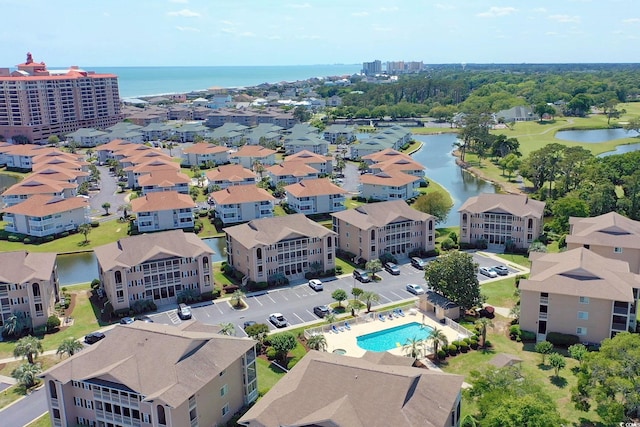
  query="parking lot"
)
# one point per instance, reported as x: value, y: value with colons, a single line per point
x: 296, y: 302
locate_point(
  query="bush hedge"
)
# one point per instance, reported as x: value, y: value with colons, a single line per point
x: 562, y: 340
x: 442, y: 354
x: 452, y: 349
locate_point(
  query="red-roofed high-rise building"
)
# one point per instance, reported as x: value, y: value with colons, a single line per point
x: 37, y: 103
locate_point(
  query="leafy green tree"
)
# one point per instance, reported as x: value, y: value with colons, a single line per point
x: 373, y: 266
x: 567, y: 207
x: 578, y: 352
x: 542, y: 109
x: 633, y: 124
x: 544, y: 348
x: 228, y: 329
x: 369, y: 297
x: 339, y: 295
x: 537, y: 246
x: 53, y: 140
x: 85, y: 229
x: 355, y: 306
x: 301, y: 114
x: 69, y: 346
x: 283, y: 343
x: 435, y: 203
x: 317, y: 342
x: 610, y: 378
x: 455, y: 276
x: 357, y: 292
x: 437, y: 338
x: 258, y: 332
x: 106, y: 206
x: 482, y: 325
x: 29, y: 347
x: 558, y: 362
x: 27, y: 374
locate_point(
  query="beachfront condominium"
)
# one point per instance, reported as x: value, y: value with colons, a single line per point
x: 36, y: 102
x: 392, y: 227
x: 156, y: 267
x: 154, y: 375
x: 28, y: 286
x: 285, y: 246
x: 501, y: 220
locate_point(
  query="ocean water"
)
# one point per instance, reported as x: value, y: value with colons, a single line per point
x: 145, y: 81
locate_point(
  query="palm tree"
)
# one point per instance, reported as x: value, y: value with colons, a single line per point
x: 481, y: 325
x: 373, y: 266
x: 15, y: 323
x: 236, y: 298
x: 27, y: 374
x: 29, y: 347
x: 69, y: 346
x: 436, y: 338
x: 106, y: 206
x: 85, y: 229
x: 330, y: 318
x: 228, y: 329
x: 317, y: 342
x: 369, y: 298
x: 413, y: 347
x: 125, y: 208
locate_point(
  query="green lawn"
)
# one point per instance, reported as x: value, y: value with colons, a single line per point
x: 268, y: 375
x: 414, y: 146
x: 107, y: 232
x: 500, y: 293
x: 463, y: 364
x: 219, y: 278
x: 43, y: 421
x: 429, y: 131
x: 85, y: 320
x: 352, y: 204
x: 521, y: 260
x: 11, y: 394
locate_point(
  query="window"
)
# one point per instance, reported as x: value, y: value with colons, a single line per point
x: 223, y: 390
x: 583, y: 315
x: 581, y: 331
x: 584, y: 300
x: 225, y: 409
x: 617, y: 250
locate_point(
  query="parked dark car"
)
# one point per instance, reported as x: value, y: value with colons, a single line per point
x: 391, y: 268
x: 418, y: 263
x: 321, y: 310
x: 145, y: 319
x: 93, y: 337
x: 248, y: 323
x: 361, y: 276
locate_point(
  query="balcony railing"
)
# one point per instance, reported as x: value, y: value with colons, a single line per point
x: 543, y: 316
x: 621, y: 310
x: 544, y: 300
x: 619, y: 326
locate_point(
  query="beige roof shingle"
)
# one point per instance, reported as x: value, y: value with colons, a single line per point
x: 267, y: 231
x: 610, y: 229
x: 514, y: 204
x: 307, y: 156
x: 314, y: 187
x: 164, y: 178
x: 38, y: 185
x: 231, y: 172
x: 205, y: 148
x: 369, y: 394
x: 161, y: 362
x: 162, y: 201
x: 134, y: 250
x: 41, y: 205
x: 253, y: 151
x: 580, y: 272
x: 380, y: 214
x: 391, y: 178
x: 241, y: 194
x: 292, y: 169
x: 23, y: 266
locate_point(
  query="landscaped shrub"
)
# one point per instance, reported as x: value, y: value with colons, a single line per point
x: 442, y: 354
x: 474, y: 345
x: 13, y: 238
x: 53, y: 323
x: 48, y: 238
x: 229, y: 289
x: 95, y: 284
x: 527, y: 336
x: 447, y: 244
x: 271, y: 353
x: 452, y: 349
x: 27, y: 240
x: 95, y: 224
x: 487, y: 344
x: 338, y: 269
x: 464, y: 245
x: 467, y: 340
x: 515, y: 333
x: 464, y: 347
x: 563, y: 340
x: 64, y: 234
x: 123, y: 312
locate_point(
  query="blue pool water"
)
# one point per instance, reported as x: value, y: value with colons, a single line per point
x: 390, y: 338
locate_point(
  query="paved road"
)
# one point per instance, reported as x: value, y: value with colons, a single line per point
x: 108, y: 194
x: 351, y: 177
x: 25, y: 410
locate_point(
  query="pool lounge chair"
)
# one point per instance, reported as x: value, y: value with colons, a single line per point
x: 381, y: 317
x: 390, y: 316
x: 400, y: 312
x: 347, y: 326
x: 334, y: 329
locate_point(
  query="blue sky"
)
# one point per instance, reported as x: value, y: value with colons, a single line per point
x: 275, y: 32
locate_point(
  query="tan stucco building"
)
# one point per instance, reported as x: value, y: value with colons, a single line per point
x: 578, y: 292
x: 155, y: 267
x: 153, y: 375
x: 501, y: 218
x: 386, y: 227
x: 286, y: 245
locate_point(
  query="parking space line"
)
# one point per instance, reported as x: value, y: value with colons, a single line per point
x: 388, y: 299
x: 272, y: 300
x: 219, y: 309
x: 301, y: 319
x: 391, y: 292
x: 285, y: 298
x: 311, y: 313
x: 257, y: 300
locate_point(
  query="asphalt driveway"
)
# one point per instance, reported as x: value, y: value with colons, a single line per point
x: 108, y: 193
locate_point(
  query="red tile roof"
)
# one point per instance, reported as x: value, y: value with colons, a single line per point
x: 42, y: 204
x: 314, y: 187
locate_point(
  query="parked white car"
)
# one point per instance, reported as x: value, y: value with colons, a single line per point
x: 316, y: 285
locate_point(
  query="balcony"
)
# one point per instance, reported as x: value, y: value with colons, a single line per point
x: 544, y: 300
x: 621, y: 310
x: 543, y: 316
x: 618, y: 326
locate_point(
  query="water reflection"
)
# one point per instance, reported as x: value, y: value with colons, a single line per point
x: 595, y: 135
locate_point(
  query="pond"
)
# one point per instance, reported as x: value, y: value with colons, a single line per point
x: 594, y: 136
x: 7, y: 181
x: 440, y: 166
x: 621, y: 149
x: 83, y: 267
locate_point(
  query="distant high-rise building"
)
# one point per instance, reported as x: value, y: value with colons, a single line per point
x: 402, y: 67
x: 37, y: 103
x: 372, y: 68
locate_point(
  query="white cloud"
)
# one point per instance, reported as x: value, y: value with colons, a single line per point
x: 540, y: 10
x: 185, y: 13
x: 389, y: 9
x: 179, y: 1
x: 188, y: 29
x: 631, y: 20
x: 444, y: 6
x: 565, y: 18
x: 497, y: 11
x: 276, y: 37
x: 383, y: 29
x: 550, y: 33
x: 308, y: 37
x: 359, y: 14
x: 229, y: 23
x: 247, y: 34
x: 300, y: 5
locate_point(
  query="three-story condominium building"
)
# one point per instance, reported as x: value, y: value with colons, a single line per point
x: 579, y: 292
x: 287, y: 246
x: 29, y: 285
x: 44, y: 215
x: 314, y: 196
x: 228, y: 175
x: 501, y: 219
x: 610, y: 235
x: 392, y: 185
x: 164, y: 210
x: 394, y: 227
x: 241, y: 203
x: 36, y: 102
x: 155, y: 266
x: 154, y: 375
x: 205, y: 154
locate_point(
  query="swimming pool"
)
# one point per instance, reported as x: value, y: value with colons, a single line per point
x: 393, y: 337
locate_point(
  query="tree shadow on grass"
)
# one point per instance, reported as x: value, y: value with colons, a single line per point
x: 558, y: 381
x: 544, y: 367
x: 83, y: 243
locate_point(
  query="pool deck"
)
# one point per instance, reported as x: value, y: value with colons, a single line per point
x: 347, y: 339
